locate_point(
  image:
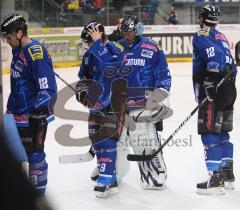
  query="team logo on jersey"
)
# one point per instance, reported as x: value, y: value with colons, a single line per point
x: 135, y: 62
x: 150, y: 47
x: 105, y: 50
x: 147, y: 53
x: 36, y: 52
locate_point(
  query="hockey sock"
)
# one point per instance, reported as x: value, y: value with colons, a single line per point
x: 213, y: 151
x: 106, y: 159
x: 227, y: 152
x: 38, y: 169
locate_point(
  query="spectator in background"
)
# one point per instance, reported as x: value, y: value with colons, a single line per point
x: 73, y: 5
x: 172, y: 18
x: 99, y: 6
x: 148, y: 10
x: 116, y: 35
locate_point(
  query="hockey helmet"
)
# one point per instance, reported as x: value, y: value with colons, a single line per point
x: 85, y: 36
x: 210, y: 14
x: 12, y: 23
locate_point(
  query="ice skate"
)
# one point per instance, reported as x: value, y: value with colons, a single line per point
x: 213, y: 186
x: 228, y: 176
x: 102, y: 191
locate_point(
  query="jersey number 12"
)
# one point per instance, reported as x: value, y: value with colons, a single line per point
x: 210, y: 52
x: 43, y: 83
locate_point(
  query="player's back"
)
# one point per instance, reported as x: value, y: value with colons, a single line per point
x: 211, y: 47
x: 31, y: 72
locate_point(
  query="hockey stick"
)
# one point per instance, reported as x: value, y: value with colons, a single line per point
x: 78, y: 158
x: 57, y: 75
x: 132, y: 157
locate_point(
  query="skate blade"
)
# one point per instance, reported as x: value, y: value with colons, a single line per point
x: 110, y: 191
x: 229, y: 185
x: 211, y: 191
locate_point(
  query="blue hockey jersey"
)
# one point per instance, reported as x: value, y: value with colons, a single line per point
x: 101, y: 63
x: 211, y: 50
x: 145, y: 68
x: 33, y: 84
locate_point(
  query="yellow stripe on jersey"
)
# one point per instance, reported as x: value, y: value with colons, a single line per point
x: 119, y: 46
x: 204, y: 32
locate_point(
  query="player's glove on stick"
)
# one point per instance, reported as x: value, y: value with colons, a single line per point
x: 210, y: 89
x: 81, y: 91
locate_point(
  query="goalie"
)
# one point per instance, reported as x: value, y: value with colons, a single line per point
x: 149, y: 81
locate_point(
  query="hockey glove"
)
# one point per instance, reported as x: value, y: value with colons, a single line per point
x: 155, y: 97
x: 210, y: 89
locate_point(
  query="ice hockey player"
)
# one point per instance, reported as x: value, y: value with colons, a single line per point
x: 211, y: 61
x: 149, y: 81
x: 105, y: 96
x: 32, y: 96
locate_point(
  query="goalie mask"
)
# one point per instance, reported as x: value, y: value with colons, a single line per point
x: 132, y: 29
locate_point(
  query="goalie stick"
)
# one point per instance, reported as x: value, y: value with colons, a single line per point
x: 132, y: 157
x: 76, y: 158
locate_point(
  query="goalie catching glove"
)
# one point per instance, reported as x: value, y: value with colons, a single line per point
x: 155, y: 97
x: 157, y: 108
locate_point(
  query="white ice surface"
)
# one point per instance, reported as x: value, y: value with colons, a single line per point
x: 70, y: 188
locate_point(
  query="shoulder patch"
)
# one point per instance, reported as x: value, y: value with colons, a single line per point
x: 119, y: 46
x: 203, y: 32
x: 36, y: 52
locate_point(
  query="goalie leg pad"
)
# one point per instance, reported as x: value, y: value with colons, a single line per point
x: 144, y: 140
x: 122, y: 164
x: 38, y: 171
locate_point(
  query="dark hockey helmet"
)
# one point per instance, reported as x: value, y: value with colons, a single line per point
x: 86, y: 37
x: 210, y: 14
x: 131, y: 23
x: 12, y: 23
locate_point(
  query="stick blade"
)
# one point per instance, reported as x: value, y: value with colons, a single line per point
x: 77, y: 158
x: 132, y: 157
